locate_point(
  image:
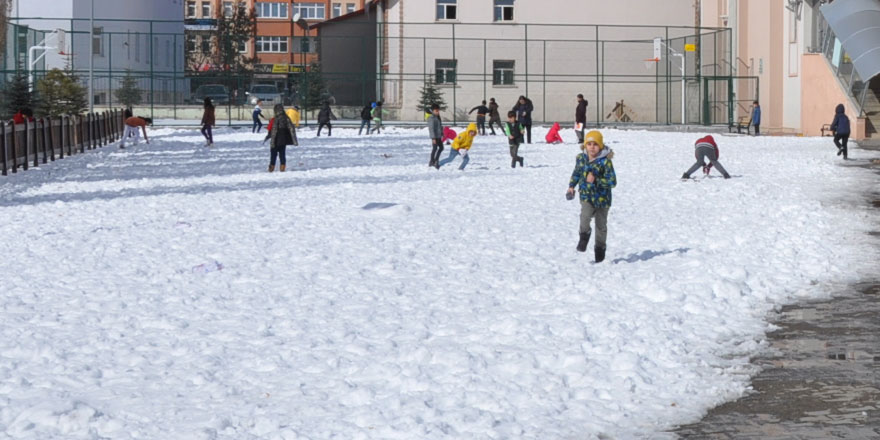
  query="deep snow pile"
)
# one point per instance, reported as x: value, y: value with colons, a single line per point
x: 168, y: 291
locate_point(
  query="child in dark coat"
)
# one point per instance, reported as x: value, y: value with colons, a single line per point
x: 514, y: 139
x: 841, y: 130
x: 208, y: 121
x: 282, y: 133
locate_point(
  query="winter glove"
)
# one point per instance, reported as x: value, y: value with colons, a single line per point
x: 463, y: 152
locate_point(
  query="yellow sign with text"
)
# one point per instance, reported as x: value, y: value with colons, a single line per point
x: 280, y: 68
x: 690, y: 47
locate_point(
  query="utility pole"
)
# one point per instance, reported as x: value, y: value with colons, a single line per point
x: 91, y: 47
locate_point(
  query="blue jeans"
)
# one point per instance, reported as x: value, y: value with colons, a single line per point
x: 452, y: 154
x: 280, y: 153
x: 257, y: 126
x: 367, y: 123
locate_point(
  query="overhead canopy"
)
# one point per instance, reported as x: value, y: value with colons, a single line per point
x: 856, y: 23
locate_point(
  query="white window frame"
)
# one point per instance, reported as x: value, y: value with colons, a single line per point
x: 336, y: 9
x: 310, y: 11
x: 501, y: 7
x: 206, y: 6
x: 271, y: 44
x: 97, y: 41
x: 445, y: 8
x: 441, y: 73
x: 228, y: 9
x: 191, y: 9
x: 350, y: 7
x: 271, y: 10
x: 498, y: 73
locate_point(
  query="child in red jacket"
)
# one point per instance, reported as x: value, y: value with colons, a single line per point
x: 706, y: 148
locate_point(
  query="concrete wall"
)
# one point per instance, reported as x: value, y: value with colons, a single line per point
x: 820, y: 94
x: 348, y: 59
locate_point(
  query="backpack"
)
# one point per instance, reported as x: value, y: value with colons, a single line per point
x: 365, y: 113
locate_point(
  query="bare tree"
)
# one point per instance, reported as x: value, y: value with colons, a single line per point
x: 5, y: 10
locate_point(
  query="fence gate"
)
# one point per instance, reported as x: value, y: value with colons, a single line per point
x: 717, y: 100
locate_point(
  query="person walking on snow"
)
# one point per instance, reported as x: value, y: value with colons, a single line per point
x: 282, y: 133
x: 461, y: 146
x: 706, y: 148
x: 841, y: 130
x: 366, y: 118
x: 376, y: 113
x: 131, y: 129
x: 324, y: 117
x: 494, y: 116
x: 258, y: 113
x: 523, y: 109
x: 482, y: 111
x: 514, y: 139
x: 435, y: 131
x: 756, y: 117
x: 580, y: 117
x: 208, y: 122
x: 594, y: 177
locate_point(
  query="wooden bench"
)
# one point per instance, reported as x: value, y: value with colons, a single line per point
x: 826, y: 128
x: 741, y: 123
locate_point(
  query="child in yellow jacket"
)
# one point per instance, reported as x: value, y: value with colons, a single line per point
x: 293, y: 115
x: 460, y: 146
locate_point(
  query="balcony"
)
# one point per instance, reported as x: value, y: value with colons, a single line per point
x: 200, y: 24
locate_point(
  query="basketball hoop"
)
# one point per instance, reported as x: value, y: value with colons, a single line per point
x: 61, y: 41
x: 651, y: 62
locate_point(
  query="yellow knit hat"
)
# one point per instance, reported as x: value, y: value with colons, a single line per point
x: 593, y: 136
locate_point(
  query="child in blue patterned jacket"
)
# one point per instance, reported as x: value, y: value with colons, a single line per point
x: 594, y: 176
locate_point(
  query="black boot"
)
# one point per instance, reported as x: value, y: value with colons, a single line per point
x: 520, y: 160
x: 582, y: 243
x: 513, y: 163
x: 600, y: 254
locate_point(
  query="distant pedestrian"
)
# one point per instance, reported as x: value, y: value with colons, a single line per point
x: 366, y: 118
x: 282, y: 133
x: 324, y: 118
x: 524, y: 109
x: 580, y: 117
x: 461, y: 146
x: 258, y: 113
x: 494, y: 116
x: 514, y: 139
x: 435, y: 132
x: 376, y: 113
x: 756, y: 117
x: 706, y: 149
x: 840, y: 128
x: 482, y: 111
x: 208, y: 121
x: 131, y: 129
x: 594, y: 177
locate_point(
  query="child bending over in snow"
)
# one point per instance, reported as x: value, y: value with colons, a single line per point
x: 594, y: 176
x: 460, y: 146
x: 706, y: 148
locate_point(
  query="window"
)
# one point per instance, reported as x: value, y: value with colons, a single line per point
x: 155, y: 50
x: 503, y: 10
x: 191, y: 43
x: 303, y: 45
x: 445, y: 70
x: 271, y: 10
x: 446, y: 9
x: 206, y: 9
x: 137, y: 47
x: 272, y: 44
x: 309, y: 11
x: 206, y: 44
x: 349, y: 8
x: 502, y: 73
x: 128, y: 45
x: 168, y: 59
x: 242, y: 46
x: 337, y: 10
x: 97, y: 47
x: 227, y: 9
x: 191, y: 9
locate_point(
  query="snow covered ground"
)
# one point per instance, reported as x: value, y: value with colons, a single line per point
x: 167, y: 291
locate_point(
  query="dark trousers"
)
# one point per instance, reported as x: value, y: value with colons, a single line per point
x: 481, y: 125
x: 366, y: 123
x: 329, y: 128
x: 206, y: 132
x: 528, y: 133
x: 279, y: 152
x: 258, y: 124
x: 436, y: 149
x: 840, y: 141
x: 514, y: 155
x: 757, y: 129
x: 491, y: 127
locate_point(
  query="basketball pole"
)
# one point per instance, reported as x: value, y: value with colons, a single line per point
x: 91, y: 47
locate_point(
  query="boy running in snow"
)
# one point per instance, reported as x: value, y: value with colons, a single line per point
x: 131, y: 129
x: 706, y: 148
x: 258, y: 113
x: 594, y: 176
x: 435, y: 131
x: 460, y: 146
x: 482, y: 111
x: 494, y: 116
x: 841, y: 130
x: 366, y: 118
x: 514, y: 139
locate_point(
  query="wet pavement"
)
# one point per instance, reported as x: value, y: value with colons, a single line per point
x: 821, y: 377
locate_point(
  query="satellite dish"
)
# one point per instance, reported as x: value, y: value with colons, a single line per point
x: 296, y: 17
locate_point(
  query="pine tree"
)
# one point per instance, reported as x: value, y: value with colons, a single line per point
x: 17, y: 96
x: 430, y: 95
x: 60, y: 94
x: 315, y: 87
x: 128, y: 92
x: 233, y: 32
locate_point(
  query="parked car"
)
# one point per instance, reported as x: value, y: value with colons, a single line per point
x: 267, y: 92
x: 218, y: 93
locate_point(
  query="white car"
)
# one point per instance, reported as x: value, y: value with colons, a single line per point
x: 266, y: 92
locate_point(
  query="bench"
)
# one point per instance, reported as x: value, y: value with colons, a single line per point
x: 826, y: 128
x: 741, y: 123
